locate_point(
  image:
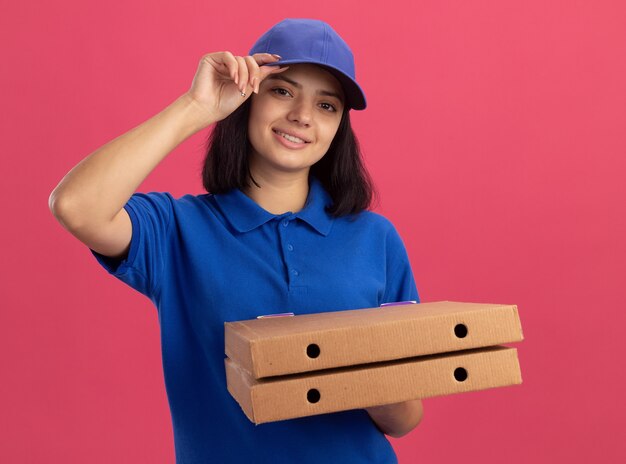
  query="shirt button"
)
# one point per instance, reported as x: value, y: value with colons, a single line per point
x: 290, y: 247
x: 294, y: 272
x: 285, y: 223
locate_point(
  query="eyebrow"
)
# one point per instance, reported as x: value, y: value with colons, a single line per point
x: 326, y: 93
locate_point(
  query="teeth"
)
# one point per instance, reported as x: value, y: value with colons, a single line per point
x: 291, y: 138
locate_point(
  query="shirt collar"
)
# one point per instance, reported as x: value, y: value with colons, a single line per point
x: 244, y: 214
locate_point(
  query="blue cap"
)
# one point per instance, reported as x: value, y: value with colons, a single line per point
x: 313, y: 41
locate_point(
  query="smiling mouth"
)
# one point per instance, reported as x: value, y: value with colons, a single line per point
x: 291, y: 138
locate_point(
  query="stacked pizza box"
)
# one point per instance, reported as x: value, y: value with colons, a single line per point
x: 286, y: 367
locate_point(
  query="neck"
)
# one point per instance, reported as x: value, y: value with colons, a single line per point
x: 279, y: 193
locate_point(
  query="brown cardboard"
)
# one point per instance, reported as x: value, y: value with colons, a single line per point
x: 340, y: 389
x: 303, y: 343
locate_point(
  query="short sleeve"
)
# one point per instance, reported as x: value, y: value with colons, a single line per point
x: 400, y: 284
x: 150, y: 215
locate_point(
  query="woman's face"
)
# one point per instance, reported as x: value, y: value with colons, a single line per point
x: 294, y: 119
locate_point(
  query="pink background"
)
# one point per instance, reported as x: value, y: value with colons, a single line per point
x: 496, y: 133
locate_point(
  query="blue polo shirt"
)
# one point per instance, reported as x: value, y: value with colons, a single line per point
x: 207, y: 259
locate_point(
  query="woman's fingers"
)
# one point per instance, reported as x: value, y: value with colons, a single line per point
x: 265, y: 71
x: 264, y: 58
x: 224, y: 81
x: 226, y: 64
x: 242, y: 74
x: 253, y: 72
x: 257, y: 72
x: 247, y: 71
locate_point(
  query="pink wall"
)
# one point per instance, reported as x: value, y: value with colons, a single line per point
x: 495, y: 132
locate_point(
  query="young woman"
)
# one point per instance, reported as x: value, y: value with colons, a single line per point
x: 284, y: 227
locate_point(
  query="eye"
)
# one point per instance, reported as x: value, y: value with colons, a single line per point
x: 280, y: 91
x: 284, y: 93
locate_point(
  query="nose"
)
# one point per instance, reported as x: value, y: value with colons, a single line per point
x: 301, y: 113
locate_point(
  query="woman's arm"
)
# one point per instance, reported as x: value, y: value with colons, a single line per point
x: 398, y: 419
x: 89, y: 200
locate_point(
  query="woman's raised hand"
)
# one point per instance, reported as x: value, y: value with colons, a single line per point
x: 224, y: 81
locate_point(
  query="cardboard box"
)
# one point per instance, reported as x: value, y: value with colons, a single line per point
x: 303, y: 343
x: 355, y: 387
